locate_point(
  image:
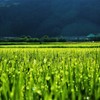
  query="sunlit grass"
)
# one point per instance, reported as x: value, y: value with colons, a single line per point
x: 49, y: 73
x: 51, y: 45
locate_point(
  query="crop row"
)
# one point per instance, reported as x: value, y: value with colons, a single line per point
x: 50, y: 74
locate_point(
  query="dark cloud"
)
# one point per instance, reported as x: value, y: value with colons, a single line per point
x: 49, y: 17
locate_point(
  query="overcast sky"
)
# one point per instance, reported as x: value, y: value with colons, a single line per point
x: 49, y: 17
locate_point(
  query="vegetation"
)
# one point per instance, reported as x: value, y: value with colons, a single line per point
x: 49, y: 44
x: 93, y: 37
x: 50, y: 73
x: 30, y: 39
x: 46, y: 38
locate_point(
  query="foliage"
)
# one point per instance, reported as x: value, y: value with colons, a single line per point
x: 30, y: 39
x: 49, y: 74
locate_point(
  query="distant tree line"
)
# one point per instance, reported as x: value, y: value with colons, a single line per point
x: 46, y: 38
x: 94, y: 39
x: 30, y: 39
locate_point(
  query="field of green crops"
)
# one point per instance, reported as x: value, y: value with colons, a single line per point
x: 49, y: 73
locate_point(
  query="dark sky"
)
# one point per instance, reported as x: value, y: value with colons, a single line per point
x: 49, y: 17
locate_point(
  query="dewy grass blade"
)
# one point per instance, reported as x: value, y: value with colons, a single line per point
x: 49, y: 73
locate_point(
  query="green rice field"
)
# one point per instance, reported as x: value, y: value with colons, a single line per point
x: 50, y: 72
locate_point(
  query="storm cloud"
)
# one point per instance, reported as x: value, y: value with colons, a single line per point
x: 49, y: 17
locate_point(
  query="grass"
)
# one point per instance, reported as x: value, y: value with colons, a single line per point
x: 50, y: 45
x: 42, y: 73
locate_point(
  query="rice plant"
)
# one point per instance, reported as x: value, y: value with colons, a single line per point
x: 50, y: 74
